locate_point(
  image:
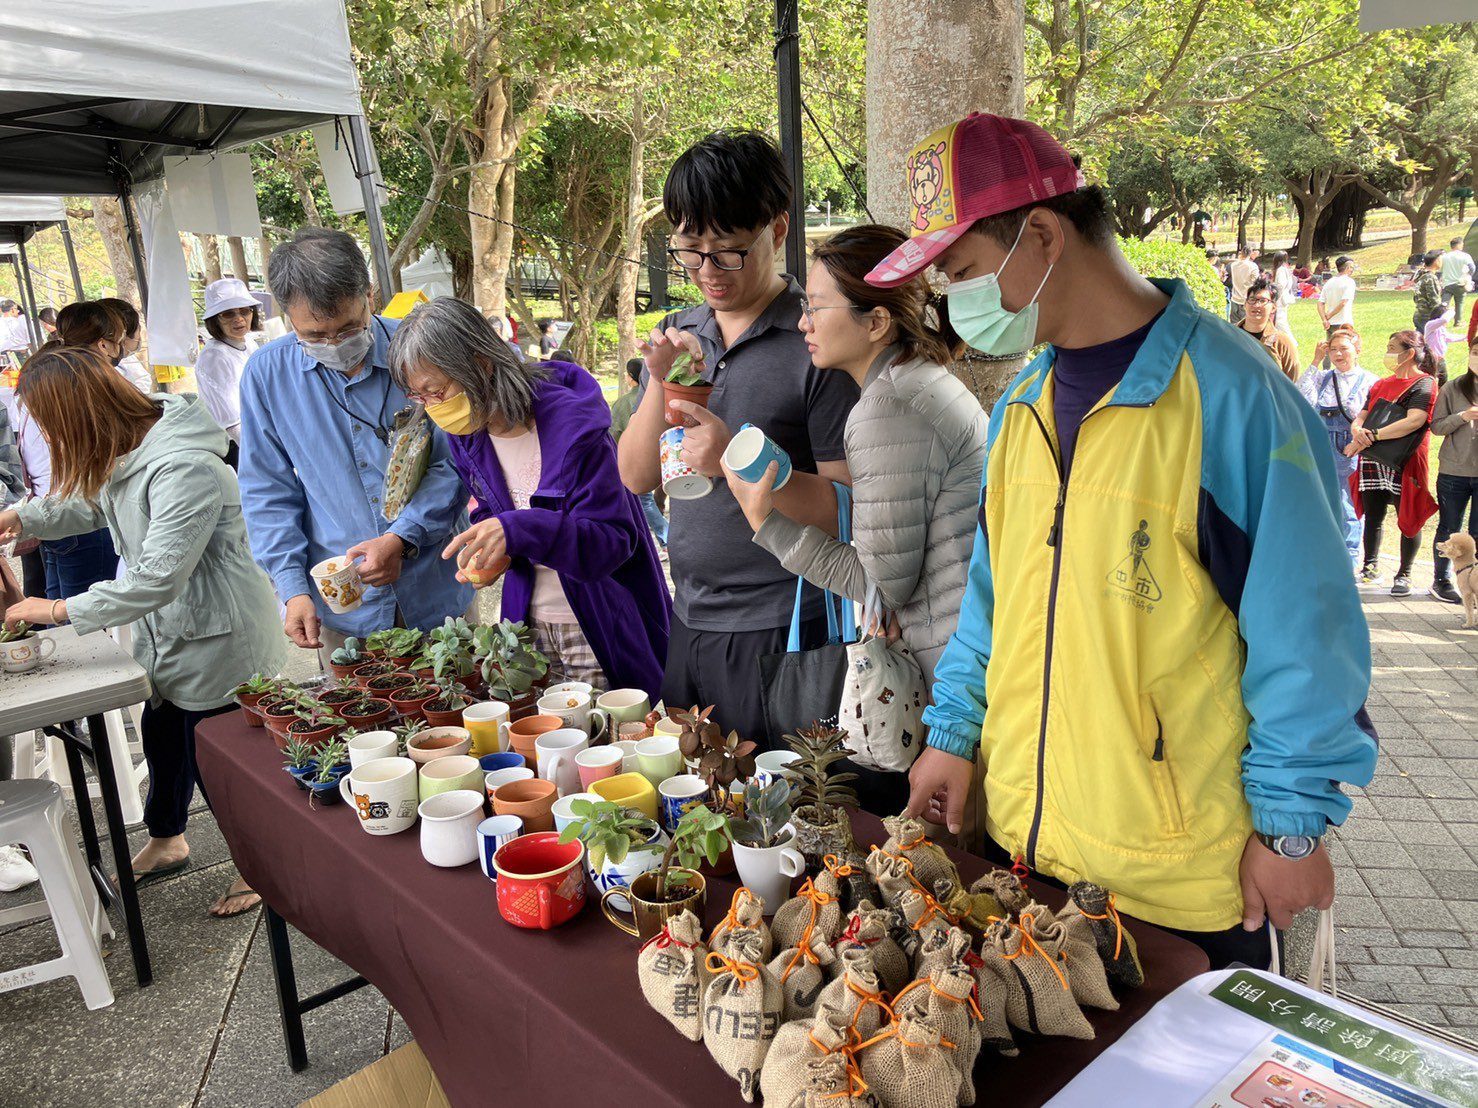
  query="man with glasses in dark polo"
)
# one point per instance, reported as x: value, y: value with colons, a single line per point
x: 727, y: 198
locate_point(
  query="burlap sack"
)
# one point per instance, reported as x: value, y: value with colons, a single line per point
x: 745, y: 910
x: 815, y: 909
x: 852, y: 878
x: 946, y: 1001
x: 941, y: 947
x: 1085, y: 970
x: 893, y: 876
x: 923, y: 914
x: 996, y: 985
x: 725, y: 945
x: 910, y: 1067
x: 741, y: 1012
x: 835, y: 1083
x: 668, y: 969
x: 798, y: 1047
x: 906, y: 839
x: 870, y: 928
x: 858, y: 994
x: 974, y: 910
x: 1031, y: 953
x: 802, y: 972
x: 1006, y: 888
x: 1115, y: 943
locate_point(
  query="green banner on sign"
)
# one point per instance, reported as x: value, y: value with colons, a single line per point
x: 1347, y: 1036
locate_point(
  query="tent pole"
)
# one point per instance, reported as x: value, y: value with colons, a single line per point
x: 72, y: 259
x: 33, y: 325
x: 788, y: 95
x: 125, y: 199
x: 379, y: 248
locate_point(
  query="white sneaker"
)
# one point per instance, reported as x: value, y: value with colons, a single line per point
x: 16, y: 872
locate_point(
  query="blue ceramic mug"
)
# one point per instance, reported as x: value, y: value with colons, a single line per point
x: 750, y: 453
x: 492, y: 833
x: 502, y: 760
x: 679, y: 795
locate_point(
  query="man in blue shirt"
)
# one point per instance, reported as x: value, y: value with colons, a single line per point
x: 317, y: 406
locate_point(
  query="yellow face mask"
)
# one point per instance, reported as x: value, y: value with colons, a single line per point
x: 453, y: 415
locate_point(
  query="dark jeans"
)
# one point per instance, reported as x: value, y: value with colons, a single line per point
x: 33, y: 573
x: 1375, y: 502
x: 1455, y: 496
x: 1223, y: 948
x: 76, y: 564
x: 169, y: 748
x: 1455, y: 294
x: 233, y: 455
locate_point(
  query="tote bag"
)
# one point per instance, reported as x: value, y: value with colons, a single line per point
x: 800, y: 687
x: 882, y: 707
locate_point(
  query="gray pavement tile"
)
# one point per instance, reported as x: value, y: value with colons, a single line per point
x: 1442, y: 975
x: 1442, y: 940
x: 1378, y: 855
x: 1388, y: 884
x: 1464, y: 959
x: 1394, y: 785
x: 1406, y: 808
x: 1426, y: 1013
x: 1444, y: 787
x: 1460, y: 811
x: 1392, y: 955
x: 1455, y: 884
x: 1416, y: 912
x: 150, y: 1047
x: 1367, y: 828
x: 1390, y: 974
x: 1443, y: 858
x: 1416, y: 834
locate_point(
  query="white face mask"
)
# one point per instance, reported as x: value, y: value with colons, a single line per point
x: 343, y: 356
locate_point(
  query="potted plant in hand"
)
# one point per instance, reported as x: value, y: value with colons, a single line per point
x: 316, y: 723
x: 346, y: 659
x: 763, y: 843
x: 820, y: 819
x: 333, y: 763
x: 676, y: 885
x: 620, y: 843
x: 251, y: 692
x: 299, y: 761
x: 684, y: 382
x: 444, y: 709
x: 367, y: 711
x: 409, y: 700
x: 514, y: 671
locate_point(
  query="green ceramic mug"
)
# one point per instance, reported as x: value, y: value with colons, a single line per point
x: 623, y: 706
x: 460, y: 771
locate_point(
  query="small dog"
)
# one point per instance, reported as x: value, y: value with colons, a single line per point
x: 1460, y: 548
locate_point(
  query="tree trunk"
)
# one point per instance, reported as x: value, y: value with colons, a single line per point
x: 239, y: 268
x: 114, y: 233
x: 1341, y: 224
x: 632, y: 226
x: 212, y: 250
x: 983, y: 57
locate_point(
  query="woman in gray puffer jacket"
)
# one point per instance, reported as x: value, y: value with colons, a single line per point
x: 915, y: 447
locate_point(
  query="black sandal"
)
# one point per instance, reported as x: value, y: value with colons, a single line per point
x: 227, y: 897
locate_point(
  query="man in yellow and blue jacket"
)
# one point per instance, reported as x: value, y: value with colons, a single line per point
x: 1161, y: 656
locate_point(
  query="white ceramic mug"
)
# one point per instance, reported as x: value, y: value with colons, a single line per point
x: 563, y: 816
x: 629, y: 763
x: 574, y: 710
x: 449, y: 828
x: 497, y: 778
x: 766, y: 871
x: 577, y: 687
x: 383, y: 792
x: 339, y: 584
x: 372, y: 745
x: 555, y: 752
x: 26, y: 654
x: 677, y: 796
x: 767, y: 766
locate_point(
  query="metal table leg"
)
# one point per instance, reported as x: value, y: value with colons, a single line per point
x: 97, y: 729
x: 289, y: 1004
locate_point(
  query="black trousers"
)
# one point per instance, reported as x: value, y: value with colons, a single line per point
x: 33, y: 573
x: 1224, y: 948
x: 1376, y: 502
x: 169, y: 748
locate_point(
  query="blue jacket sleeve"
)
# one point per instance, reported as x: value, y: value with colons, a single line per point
x: 429, y: 515
x: 272, y: 500
x: 1271, y: 540
x: 958, y: 712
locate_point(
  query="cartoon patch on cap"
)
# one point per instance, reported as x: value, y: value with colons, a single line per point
x: 930, y: 182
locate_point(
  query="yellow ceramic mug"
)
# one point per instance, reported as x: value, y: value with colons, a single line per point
x: 485, y: 722
x: 630, y: 790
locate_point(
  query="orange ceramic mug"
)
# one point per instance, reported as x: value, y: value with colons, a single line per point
x: 523, y: 733
x: 531, y: 801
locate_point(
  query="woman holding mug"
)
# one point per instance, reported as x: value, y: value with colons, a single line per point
x: 532, y: 441
x: 152, y: 469
x: 1380, y: 485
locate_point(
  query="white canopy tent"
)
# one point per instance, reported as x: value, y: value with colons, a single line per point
x: 20, y: 218
x: 95, y: 94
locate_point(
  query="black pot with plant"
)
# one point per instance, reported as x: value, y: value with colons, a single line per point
x: 333, y: 763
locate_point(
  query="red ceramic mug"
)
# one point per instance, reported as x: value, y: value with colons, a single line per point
x: 541, y: 882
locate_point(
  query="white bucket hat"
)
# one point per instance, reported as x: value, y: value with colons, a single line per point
x: 225, y: 294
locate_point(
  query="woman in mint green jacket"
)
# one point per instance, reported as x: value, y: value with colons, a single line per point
x: 152, y: 469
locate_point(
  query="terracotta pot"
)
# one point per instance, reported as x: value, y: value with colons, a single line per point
x: 276, y: 720
x: 404, y: 661
x: 436, y: 717
x: 523, y: 733
x: 248, y: 702
x: 387, y: 683
x: 368, y: 721
x: 341, y: 696
x: 649, y: 915
x: 314, y: 738
x: 695, y: 394
x: 342, y: 671
x: 410, y: 706
x: 438, y: 742
x: 364, y: 673
x: 472, y: 683
x: 427, y: 674
x: 531, y: 801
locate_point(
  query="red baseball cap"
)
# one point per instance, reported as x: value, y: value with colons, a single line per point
x: 980, y: 166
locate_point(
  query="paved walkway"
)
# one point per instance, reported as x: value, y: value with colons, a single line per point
x: 207, y: 1033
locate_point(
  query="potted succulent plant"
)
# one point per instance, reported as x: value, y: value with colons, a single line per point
x: 252, y: 691
x: 684, y: 382
x: 333, y: 763
x: 346, y: 659
x: 366, y: 712
x: 299, y: 761
x: 409, y: 700
x: 764, y: 843
x: 444, y: 709
x: 370, y: 670
x: 316, y: 723
x: 821, y: 823
x: 450, y: 653
x: 280, y: 709
x: 676, y: 885
x: 343, y: 691
x: 514, y: 671
x: 387, y: 683
x: 721, y: 759
x: 620, y: 843
x: 396, y: 644
x: 21, y: 630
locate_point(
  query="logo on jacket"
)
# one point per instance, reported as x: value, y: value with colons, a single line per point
x: 1133, y: 575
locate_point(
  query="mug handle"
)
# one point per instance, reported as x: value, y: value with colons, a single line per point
x: 505, y: 743
x: 614, y: 914
x: 45, y: 647
x: 599, y: 731
x: 792, y: 862
x: 554, y: 764
x: 345, y: 793
x: 546, y: 908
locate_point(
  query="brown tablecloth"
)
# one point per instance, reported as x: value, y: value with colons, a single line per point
x: 525, y: 1017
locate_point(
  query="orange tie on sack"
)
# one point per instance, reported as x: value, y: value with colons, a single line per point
x: 803, y: 950
x: 731, y: 919
x: 1028, y: 942
x: 1110, y: 911
x: 744, y: 972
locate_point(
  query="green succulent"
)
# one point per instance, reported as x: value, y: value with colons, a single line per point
x: 766, y: 814
x: 701, y: 835
x: 450, y: 650
x: 296, y: 753
x: 820, y: 746
x: 609, y: 831
x: 331, y: 755
x: 347, y: 654
x: 505, y: 653
x: 258, y: 684
x: 684, y: 373
x: 395, y: 642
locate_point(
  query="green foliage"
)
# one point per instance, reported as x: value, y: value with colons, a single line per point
x: 331, y: 755
x: 21, y: 630
x: 609, y: 831
x: 296, y: 753
x: 701, y: 835
x: 683, y: 292
x: 766, y: 813
x: 1173, y: 259
x: 395, y: 642
x: 510, y: 664
x: 820, y: 747
x: 683, y: 373
x: 347, y: 654
x: 450, y: 651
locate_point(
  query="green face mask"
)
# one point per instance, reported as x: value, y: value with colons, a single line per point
x: 453, y: 415
x: 978, y: 316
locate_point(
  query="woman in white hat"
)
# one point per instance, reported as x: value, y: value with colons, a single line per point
x: 231, y: 315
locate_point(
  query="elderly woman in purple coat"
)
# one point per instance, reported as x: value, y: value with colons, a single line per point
x: 532, y: 441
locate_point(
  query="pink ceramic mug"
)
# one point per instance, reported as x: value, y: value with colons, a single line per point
x: 597, y: 763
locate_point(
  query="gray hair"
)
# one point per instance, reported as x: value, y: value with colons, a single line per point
x: 452, y: 336
x: 320, y: 267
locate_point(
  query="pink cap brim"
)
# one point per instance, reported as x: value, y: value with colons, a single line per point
x: 914, y: 256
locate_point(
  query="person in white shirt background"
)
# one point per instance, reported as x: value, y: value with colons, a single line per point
x: 15, y: 336
x: 1287, y: 286
x: 1456, y: 275
x: 231, y: 315
x: 1244, y: 271
x: 1337, y: 298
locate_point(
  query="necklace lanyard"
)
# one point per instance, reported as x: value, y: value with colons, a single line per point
x: 378, y: 427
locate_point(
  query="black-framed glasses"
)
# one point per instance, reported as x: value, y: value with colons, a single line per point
x: 1262, y: 300
x: 727, y: 259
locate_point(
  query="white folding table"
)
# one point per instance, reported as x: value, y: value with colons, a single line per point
x: 86, y: 677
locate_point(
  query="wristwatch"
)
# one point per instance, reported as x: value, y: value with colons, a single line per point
x: 1292, y: 847
x: 408, y: 549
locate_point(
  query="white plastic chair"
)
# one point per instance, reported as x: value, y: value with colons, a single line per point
x: 31, y: 814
